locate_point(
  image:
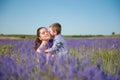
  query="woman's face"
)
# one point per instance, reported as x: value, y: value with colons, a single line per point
x: 44, y: 34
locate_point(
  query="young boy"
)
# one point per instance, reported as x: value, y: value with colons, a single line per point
x: 59, y: 45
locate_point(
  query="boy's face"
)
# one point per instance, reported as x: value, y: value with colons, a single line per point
x: 53, y: 33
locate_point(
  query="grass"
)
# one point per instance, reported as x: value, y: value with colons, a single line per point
x: 108, y: 59
x: 5, y: 49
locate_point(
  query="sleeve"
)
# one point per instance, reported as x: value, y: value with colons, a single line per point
x: 56, y: 46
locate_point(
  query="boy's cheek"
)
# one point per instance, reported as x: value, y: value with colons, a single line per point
x: 51, y: 33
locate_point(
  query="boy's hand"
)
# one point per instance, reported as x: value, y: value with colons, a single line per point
x: 47, y: 50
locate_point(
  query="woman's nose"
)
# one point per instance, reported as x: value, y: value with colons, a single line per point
x: 46, y: 33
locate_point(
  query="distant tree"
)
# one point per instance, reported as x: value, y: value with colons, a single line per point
x: 2, y: 34
x: 113, y: 33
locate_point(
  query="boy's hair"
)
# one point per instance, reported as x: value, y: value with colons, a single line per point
x: 56, y: 27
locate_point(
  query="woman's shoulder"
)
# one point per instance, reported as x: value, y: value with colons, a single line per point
x: 50, y: 42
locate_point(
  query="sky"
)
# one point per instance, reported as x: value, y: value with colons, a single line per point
x: 77, y: 17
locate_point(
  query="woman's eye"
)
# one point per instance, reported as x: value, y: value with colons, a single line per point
x: 44, y: 32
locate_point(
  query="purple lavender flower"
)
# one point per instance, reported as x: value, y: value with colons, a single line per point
x: 22, y: 64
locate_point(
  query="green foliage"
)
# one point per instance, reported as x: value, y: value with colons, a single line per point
x: 113, y: 33
x: 82, y: 36
x: 109, y: 59
x: 5, y: 49
x: 33, y: 36
x: 18, y: 35
x: 67, y: 36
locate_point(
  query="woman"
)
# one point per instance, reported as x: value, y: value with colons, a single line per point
x: 42, y: 42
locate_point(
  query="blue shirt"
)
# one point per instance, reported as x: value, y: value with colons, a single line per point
x: 59, y: 45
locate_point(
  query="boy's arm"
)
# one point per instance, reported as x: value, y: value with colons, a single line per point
x: 47, y: 50
x: 55, y: 47
x: 52, y: 49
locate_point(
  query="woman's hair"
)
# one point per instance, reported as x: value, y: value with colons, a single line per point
x: 56, y: 27
x: 37, y: 41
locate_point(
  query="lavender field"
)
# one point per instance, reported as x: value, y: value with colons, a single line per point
x: 88, y: 59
